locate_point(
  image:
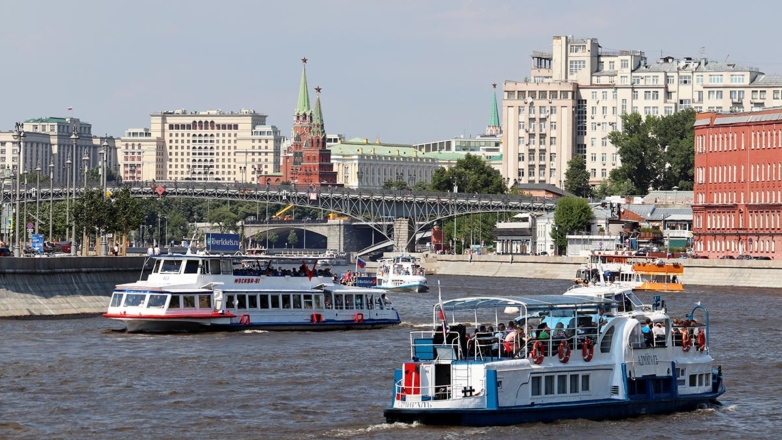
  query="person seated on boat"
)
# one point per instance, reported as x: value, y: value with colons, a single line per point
x: 559, y: 331
x: 384, y: 300
x: 601, y: 319
x: 544, y: 332
x: 510, y: 343
x: 659, y: 334
x: 497, y: 336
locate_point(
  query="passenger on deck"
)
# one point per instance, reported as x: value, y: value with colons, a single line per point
x: 544, y: 332
x: 659, y: 334
x: 647, y: 333
x: 559, y: 331
x: 510, y: 343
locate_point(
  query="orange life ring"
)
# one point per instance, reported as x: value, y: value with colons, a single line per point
x: 588, y: 350
x: 686, y: 341
x: 317, y: 317
x: 564, y: 352
x: 359, y: 317
x: 244, y: 320
x: 537, y: 352
x: 701, y: 340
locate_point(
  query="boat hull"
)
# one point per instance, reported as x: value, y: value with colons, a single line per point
x: 593, y: 410
x: 409, y: 288
x: 140, y: 325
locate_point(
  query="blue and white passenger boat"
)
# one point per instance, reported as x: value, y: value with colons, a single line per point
x: 583, y: 356
x: 239, y: 292
x: 402, y: 273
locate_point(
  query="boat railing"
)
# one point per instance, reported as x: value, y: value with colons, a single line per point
x: 423, y: 393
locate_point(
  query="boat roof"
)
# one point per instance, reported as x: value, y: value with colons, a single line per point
x: 531, y: 303
x: 265, y: 257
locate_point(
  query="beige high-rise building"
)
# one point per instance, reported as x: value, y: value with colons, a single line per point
x: 48, y: 147
x: 590, y: 88
x: 205, y: 146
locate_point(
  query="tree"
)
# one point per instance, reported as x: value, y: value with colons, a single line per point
x: 470, y: 175
x: 642, y: 159
x: 93, y: 174
x: 293, y: 239
x: 94, y: 212
x: 676, y: 138
x: 272, y: 237
x: 570, y: 215
x: 610, y: 188
x: 577, y: 177
x: 421, y: 186
x: 223, y: 217
x: 399, y: 185
x: 129, y: 215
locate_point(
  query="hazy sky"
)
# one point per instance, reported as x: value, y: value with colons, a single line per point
x: 405, y: 71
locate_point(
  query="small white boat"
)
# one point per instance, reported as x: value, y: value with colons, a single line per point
x: 214, y: 292
x: 599, y: 364
x: 402, y: 273
x: 640, y: 273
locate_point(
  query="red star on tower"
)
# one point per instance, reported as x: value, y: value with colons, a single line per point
x: 304, y: 60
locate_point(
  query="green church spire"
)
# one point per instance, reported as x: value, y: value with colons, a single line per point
x: 304, y: 95
x: 317, y: 117
x: 494, y: 128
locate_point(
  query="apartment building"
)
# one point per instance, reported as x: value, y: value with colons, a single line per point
x: 49, y: 148
x: 364, y: 165
x: 738, y: 184
x: 207, y: 145
x: 590, y: 88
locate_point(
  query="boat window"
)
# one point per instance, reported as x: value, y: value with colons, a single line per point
x: 204, y: 301
x: 116, y: 300
x: 171, y: 266
x: 264, y: 301
x: 226, y: 267
x: 307, y: 301
x: 360, y: 302
x: 337, y: 301
x: 174, y: 302
x: 134, y: 300
x: 318, y: 302
x: 584, y: 383
x: 535, y: 384
x: 156, y: 267
x: 188, y: 301
x: 214, y: 267
x: 229, y: 302
x: 562, y: 384
x: 349, y: 305
x: 573, y: 383
x: 286, y: 301
x: 549, y: 385
x: 191, y: 266
x: 693, y: 379
x: 636, y: 337
x: 296, y: 301
x: 241, y: 301
x: 608, y: 336
x: 156, y: 301
x: 252, y: 301
x: 275, y: 301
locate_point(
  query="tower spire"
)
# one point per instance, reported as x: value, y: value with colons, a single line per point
x: 303, y: 106
x: 317, y: 117
x: 494, y: 128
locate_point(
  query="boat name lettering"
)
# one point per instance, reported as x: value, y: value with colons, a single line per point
x: 647, y: 359
x: 247, y: 280
x: 414, y: 404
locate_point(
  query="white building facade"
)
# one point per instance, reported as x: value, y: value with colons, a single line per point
x: 575, y: 96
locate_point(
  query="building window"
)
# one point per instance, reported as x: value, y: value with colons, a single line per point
x: 625, y: 64
x: 593, y: 172
x: 576, y: 66
x: 670, y: 80
x: 685, y: 79
x: 715, y: 79
x: 737, y: 79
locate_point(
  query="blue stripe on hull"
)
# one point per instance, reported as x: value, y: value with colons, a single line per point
x: 319, y: 326
x: 415, y: 288
x: 595, y: 410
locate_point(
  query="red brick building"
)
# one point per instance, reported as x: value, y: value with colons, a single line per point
x: 737, y: 208
x: 307, y: 161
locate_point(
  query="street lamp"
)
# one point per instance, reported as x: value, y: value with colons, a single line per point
x: 68, y: 199
x: 25, y: 207
x: 18, y: 136
x: 74, y: 138
x: 37, y: 195
x: 85, y: 249
x: 51, y: 199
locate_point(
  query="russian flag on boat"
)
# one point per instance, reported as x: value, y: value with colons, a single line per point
x: 361, y: 263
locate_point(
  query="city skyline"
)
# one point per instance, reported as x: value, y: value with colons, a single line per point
x: 384, y: 69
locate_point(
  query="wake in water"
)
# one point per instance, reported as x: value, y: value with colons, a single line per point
x: 348, y: 433
x: 254, y: 331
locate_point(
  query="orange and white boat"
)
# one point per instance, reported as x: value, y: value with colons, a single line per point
x: 640, y: 273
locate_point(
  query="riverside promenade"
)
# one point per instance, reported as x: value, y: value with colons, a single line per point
x: 703, y: 272
x: 61, y: 286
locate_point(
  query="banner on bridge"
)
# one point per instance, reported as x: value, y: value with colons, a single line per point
x: 222, y: 242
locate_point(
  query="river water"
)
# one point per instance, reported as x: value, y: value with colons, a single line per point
x: 80, y: 378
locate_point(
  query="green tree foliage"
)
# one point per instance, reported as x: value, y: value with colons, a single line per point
x: 293, y: 239
x: 93, y: 175
x: 609, y: 188
x: 273, y: 237
x: 676, y: 138
x: 127, y: 211
x: 577, y: 177
x: 223, y: 217
x: 399, y: 185
x: 95, y: 212
x: 422, y: 186
x: 472, y: 175
x: 642, y: 160
x: 571, y: 214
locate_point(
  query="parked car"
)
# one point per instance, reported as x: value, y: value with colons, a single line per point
x: 640, y: 253
x: 762, y: 257
x: 727, y: 257
x: 543, y: 254
x: 63, y: 246
x: 744, y: 257
x: 5, y: 252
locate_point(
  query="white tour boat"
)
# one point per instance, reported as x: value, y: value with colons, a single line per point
x: 597, y: 363
x: 238, y: 292
x: 402, y: 273
x: 640, y: 273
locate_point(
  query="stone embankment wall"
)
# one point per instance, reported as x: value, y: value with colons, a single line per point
x: 752, y: 273
x: 40, y: 287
